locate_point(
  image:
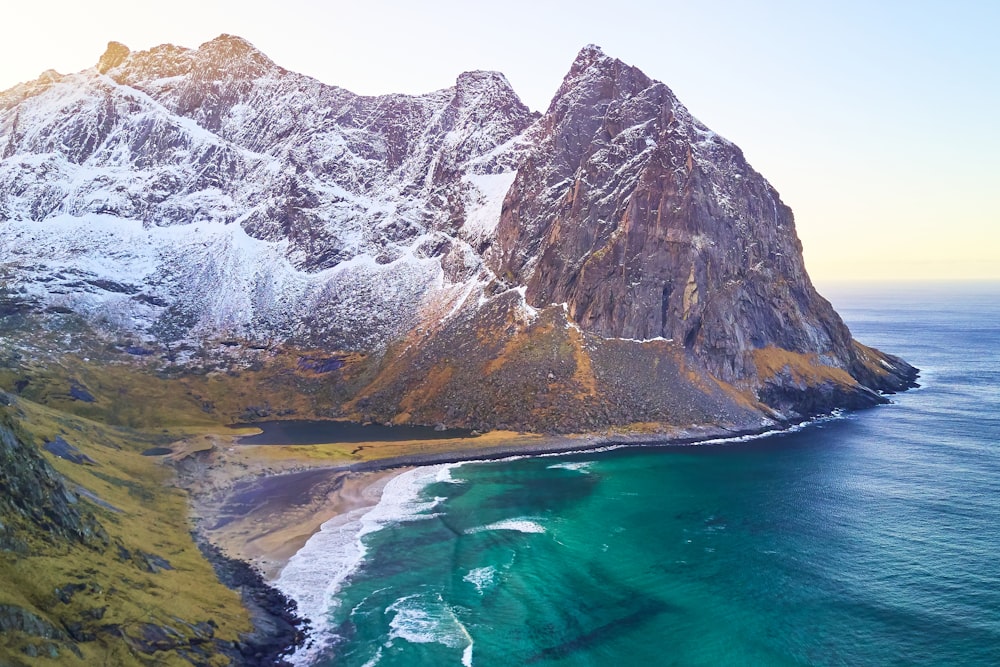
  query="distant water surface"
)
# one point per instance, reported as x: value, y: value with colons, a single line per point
x: 870, y: 539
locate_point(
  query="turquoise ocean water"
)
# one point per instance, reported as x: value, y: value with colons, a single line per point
x: 872, y: 538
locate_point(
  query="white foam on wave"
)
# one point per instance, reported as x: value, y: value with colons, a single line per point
x: 374, y: 659
x: 444, y: 474
x: 835, y: 415
x: 578, y: 466
x: 483, y: 578
x: 519, y: 525
x: 316, y: 573
x: 415, y: 621
x: 425, y: 619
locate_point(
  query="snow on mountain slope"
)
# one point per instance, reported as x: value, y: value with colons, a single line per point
x: 208, y: 279
x: 611, y: 257
x: 302, y: 210
x: 486, y: 193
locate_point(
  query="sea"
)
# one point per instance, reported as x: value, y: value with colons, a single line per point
x: 861, y: 538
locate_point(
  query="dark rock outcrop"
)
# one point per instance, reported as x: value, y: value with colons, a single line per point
x: 33, y: 494
x: 17, y: 619
x: 278, y: 629
x: 59, y: 447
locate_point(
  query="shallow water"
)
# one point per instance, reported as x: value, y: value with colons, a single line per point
x: 871, y: 539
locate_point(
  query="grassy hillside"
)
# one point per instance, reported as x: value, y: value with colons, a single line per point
x: 97, y: 564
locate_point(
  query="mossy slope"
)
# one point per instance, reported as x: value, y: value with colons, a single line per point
x: 97, y: 565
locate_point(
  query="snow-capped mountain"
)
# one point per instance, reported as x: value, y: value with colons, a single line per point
x: 217, y: 191
x: 186, y: 194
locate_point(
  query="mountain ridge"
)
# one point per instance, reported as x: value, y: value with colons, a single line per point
x: 186, y: 195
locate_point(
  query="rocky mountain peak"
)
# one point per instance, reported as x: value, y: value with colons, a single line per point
x: 237, y: 197
x: 220, y: 62
x: 588, y: 56
x: 49, y: 76
x: 595, y: 79
x: 484, y: 113
x: 233, y: 43
x: 485, y: 93
x: 231, y: 50
x: 480, y: 81
x: 113, y: 56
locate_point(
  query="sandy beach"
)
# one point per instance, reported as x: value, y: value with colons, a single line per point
x: 266, y: 520
x: 262, y: 503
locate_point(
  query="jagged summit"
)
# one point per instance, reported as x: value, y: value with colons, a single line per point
x: 183, y: 194
x: 230, y: 49
x: 587, y: 57
x: 480, y: 79
x: 113, y: 56
x: 49, y: 76
x: 234, y: 43
x: 595, y: 78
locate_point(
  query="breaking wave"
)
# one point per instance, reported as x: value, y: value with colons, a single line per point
x: 519, y: 525
x: 316, y: 573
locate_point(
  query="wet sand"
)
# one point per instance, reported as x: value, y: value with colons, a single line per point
x: 265, y: 521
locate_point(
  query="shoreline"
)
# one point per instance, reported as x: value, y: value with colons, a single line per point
x: 265, y: 514
x: 264, y: 520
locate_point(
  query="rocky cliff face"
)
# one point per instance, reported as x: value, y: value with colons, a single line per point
x: 35, y: 498
x: 648, y: 224
x: 184, y: 194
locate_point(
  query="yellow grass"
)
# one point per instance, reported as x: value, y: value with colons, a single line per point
x: 804, y: 368
x: 153, y: 519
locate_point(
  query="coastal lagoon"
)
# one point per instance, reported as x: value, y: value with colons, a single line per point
x: 865, y: 538
x: 318, y: 432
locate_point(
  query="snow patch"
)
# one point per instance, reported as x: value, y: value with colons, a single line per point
x: 484, y: 202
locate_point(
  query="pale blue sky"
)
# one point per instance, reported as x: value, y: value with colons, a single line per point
x: 876, y: 121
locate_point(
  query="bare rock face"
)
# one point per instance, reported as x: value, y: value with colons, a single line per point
x: 647, y: 224
x: 113, y: 57
x: 37, y: 497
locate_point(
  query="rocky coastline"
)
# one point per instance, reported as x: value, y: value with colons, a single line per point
x: 278, y: 629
